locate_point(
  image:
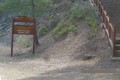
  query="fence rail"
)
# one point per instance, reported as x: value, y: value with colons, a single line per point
x: 109, y: 28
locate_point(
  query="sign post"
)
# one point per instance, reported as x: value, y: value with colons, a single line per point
x: 24, y: 26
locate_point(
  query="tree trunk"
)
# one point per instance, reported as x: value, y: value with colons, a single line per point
x: 33, y: 9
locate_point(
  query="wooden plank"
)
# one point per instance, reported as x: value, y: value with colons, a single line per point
x: 108, y: 27
x: 24, y: 30
x: 23, y: 19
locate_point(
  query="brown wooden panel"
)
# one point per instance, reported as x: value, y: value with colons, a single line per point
x: 24, y: 30
x: 23, y: 19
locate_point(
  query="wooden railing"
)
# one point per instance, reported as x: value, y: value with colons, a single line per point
x: 109, y: 28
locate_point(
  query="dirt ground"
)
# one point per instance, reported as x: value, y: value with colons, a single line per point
x: 63, y: 60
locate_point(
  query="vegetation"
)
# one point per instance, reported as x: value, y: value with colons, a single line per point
x: 56, y: 16
x: 23, y: 41
x: 76, y: 11
x: 85, y: 13
x: 63, y: 28
x: 9, y: 9
x: 1, y: 33
x: 43, y: 30
x: 92, y: 23
x: 31, y: 8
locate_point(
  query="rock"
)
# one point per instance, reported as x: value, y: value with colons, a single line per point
x: 88, y: 57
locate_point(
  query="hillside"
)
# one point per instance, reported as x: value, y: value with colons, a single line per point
x: 82, y: 53
x: 52, y: 55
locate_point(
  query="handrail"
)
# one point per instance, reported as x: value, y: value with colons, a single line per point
x: 108, y: 26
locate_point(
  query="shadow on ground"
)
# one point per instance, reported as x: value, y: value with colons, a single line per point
x: 76, y: 73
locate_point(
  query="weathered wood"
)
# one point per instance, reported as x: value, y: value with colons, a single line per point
x: 109, y: 28
x: 25, y: 26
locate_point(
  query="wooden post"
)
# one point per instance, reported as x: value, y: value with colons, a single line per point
x: 34, y: 38
x: 33, y: 44
x: 12, y: 38
x: 114, y: 40
x: 33, y: 11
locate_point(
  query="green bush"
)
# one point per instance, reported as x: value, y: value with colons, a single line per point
x: 72, y: 28
x: 43, y: 30
x: 88, y: 12
x: 92, y: 23
x: 60, y: 29
x: 85, y: 13
x: 1, y: 33
x: 63, y: 28
x: 78, y: 11
x: 23, y: 41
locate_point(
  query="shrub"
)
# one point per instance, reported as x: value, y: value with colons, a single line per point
x: 85, y: 13
x: 43, y: 30
x: 88, y: 12
x: 72, y: 28
x: 23, y: 41
x: 60, y: 29
x: 81, y: 11
x: 92, y: 23
x: 76, y: 11
x: 1, y: 33
x: 63, y: 28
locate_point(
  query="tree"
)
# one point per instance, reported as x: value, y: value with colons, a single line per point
x: 31, y: 8
x: 43, y: 4
x: 33, y: 11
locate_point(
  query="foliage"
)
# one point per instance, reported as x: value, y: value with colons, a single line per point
x: 88, y: 12
x: 9, y: 9
x: 46, y: 9
x: 78, y: 11
x: 43, y: 30
x: 63, y: 28
x: 23, y: 41
x: 24, y: 7
x: 1, y: 33
x: 72, y: 28
x: 85, y: 13
x: 42, y: 7
x: 60, y: 29
x: 92, y: 23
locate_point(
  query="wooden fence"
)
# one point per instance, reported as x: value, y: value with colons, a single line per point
x: 109, y: 28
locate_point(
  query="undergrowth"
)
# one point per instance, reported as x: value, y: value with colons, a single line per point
x: 1, y: 33
x: 87, y: 14
x: 78, y: 12
x: 23, y: 41
x: 43, y: 30
x: 63, y: 28
x: 92, y: 23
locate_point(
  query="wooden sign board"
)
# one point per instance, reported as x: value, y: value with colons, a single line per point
x: 25, y: 30
x: 23, y: 26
